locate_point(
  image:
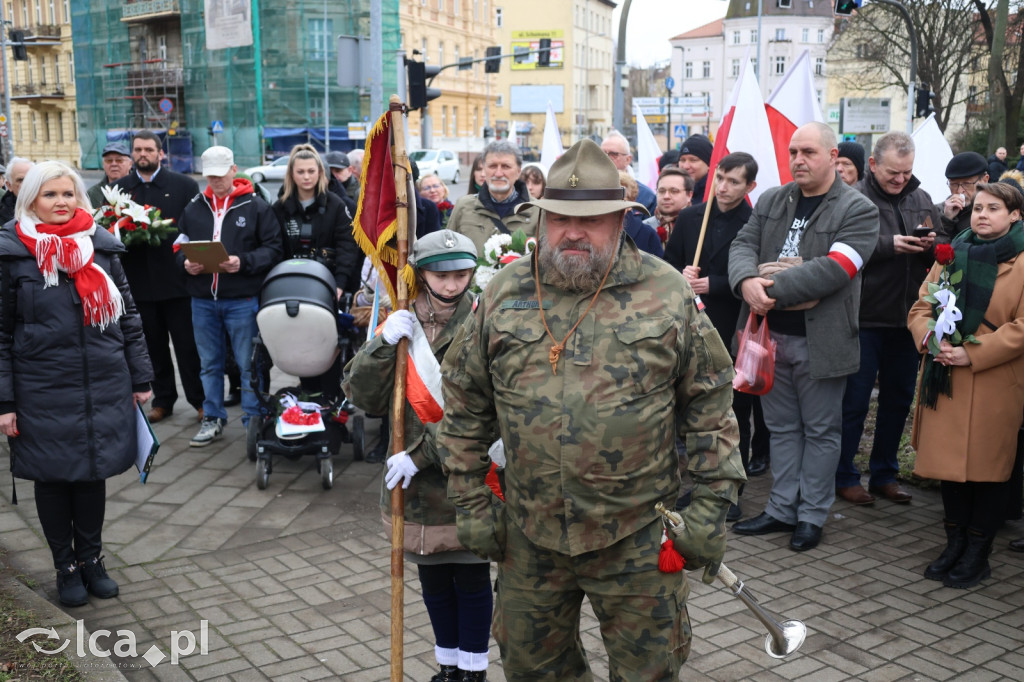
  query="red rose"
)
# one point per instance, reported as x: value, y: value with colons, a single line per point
x: 445, y: 206
x: 944, y: 254
x: 662, y: 234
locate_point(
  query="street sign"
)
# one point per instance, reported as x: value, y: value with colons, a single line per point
x: 864, y: 114
x: 3, y: 119
x: 217, y: 127
x: 676, y: 101
x: 356, y: 130
x: 679, y: 131
x: 653, y: 119
x: 3, y: 130
x: 670, y: 83
x: 166, y: 105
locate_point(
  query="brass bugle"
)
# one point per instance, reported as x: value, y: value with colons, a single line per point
x: 783, y: 638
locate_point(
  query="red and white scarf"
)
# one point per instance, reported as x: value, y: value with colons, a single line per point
x: 68, y: 248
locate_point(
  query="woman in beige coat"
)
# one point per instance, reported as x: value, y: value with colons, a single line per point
x: 965, y: 428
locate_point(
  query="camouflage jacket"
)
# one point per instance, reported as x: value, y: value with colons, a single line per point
x: 369, y: 384
x: 591, y: 449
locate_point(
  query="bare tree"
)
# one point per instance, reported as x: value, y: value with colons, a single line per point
x: 1002, y: 38
x: 875, y: 41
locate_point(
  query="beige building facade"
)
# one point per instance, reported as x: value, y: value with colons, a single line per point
x: 43, y: 123
x: 442, y: 32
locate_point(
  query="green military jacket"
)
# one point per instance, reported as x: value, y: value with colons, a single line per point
x: 369, y: 383
x: 590, y: 449
x: 474, y: 219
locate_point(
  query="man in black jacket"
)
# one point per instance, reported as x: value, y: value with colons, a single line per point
x: 963, y: 174
x: 225, y: 302
x: 157, y: 284
x: 16, y: 171
x: 889, y: 287
x: 736, y: 177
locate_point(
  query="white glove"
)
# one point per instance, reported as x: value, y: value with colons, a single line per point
x: 400, y: 468
x: 497, y: 453
x: 398, y: 326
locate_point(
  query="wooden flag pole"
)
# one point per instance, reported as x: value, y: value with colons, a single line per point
x: 704, y: 223
x: 401, y: 164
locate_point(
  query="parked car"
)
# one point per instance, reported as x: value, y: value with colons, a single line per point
x: 272, y: 171
x: 444, y: 162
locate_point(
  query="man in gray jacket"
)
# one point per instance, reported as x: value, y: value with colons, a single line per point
x: 811, y: 309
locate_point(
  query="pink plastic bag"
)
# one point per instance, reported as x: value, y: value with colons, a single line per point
x: 755, y: 362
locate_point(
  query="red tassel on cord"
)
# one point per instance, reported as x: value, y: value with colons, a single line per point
x: 669, y: 560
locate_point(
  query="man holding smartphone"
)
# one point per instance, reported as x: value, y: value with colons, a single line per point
x: 891, y: 278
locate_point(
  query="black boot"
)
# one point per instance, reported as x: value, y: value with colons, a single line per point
x: 972, y: 567
x: 448, y: 673
x: 474, y: 676
x: 96, y: 580
x: 956, y: 543
x: 380, y: 451
x: 70, y: 590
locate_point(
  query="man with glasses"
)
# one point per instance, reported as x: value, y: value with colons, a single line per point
x: 963, y: 173
x: 616, y: 146
x: 889, y: 287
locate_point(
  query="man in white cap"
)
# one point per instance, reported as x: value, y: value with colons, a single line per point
x: 224, y: 302
x: 589, y: 358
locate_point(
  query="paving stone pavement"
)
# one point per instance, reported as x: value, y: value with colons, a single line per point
x: 293, y: 581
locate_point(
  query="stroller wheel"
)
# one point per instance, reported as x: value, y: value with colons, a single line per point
x: 262, y: 472
x: 252, y: 436
x: 357, y: 434
x: 327, y: 473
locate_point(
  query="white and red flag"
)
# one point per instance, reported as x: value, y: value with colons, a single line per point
x: 647, y: 151
x: 744, y: 128
x: 793, y: 103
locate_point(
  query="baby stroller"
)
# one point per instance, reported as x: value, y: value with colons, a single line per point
x: 302, y: 332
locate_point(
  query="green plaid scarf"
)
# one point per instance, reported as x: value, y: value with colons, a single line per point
x: 979, y: 260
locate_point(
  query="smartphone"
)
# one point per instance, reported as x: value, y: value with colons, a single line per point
x: 922, y: 231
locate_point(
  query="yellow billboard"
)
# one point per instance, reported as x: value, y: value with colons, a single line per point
x: 529, y: 41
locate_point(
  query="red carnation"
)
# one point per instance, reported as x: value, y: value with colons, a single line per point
x: 944, y: 254
x: 662, y: 234
x: 445, y: 206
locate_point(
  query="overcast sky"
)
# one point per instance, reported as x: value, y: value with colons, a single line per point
x: 653, y: 22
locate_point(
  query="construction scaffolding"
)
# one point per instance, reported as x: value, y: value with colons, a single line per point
x: 145, y: 63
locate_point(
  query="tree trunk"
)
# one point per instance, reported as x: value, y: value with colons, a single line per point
x: 997, y: 79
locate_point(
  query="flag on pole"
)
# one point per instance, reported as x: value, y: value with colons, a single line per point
x: 744, y: 128
x: 551, y: 148
x: 512, y: 134
x: 376, y: 223
x: 930, y: 159
x: 647, y: 151
x: 793, y: 103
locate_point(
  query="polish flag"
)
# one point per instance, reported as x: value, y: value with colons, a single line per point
x: 745, y: 128
x: 551, y: 147
x: 793, y: 103
x: 647, y: 151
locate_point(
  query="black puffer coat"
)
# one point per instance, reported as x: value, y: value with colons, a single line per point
x: 70, y: 384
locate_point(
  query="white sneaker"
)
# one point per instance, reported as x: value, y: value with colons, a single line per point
x: 210, y: 430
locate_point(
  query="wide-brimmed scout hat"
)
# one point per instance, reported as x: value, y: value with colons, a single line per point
x: 443, y: 251
x: 583, y: 182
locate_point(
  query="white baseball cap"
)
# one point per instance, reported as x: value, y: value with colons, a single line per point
x: 217, y: 161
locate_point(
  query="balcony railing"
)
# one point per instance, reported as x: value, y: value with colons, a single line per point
x: 145, y: 79
x: 44, y: 31
x: 144, y: 10
x: 37, y: 91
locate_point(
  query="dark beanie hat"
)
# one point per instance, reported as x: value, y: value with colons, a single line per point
x: 967, y: 165
x: 699, y: 146
x: 855, y: 153
x: 669, y: 158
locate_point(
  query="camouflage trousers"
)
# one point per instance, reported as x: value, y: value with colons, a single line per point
x: 642, y: 611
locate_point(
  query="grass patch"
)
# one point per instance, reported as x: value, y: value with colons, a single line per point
x: 20, y: 661
x: 906, y: 455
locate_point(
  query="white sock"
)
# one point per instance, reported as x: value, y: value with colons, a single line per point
x: 447, y: 656
x: 473, y: 661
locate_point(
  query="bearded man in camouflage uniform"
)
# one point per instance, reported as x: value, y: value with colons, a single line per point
x: 589, y: 374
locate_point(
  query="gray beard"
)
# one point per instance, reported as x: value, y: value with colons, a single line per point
x: 574, y: 273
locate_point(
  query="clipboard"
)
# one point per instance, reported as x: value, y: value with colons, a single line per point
x: 210, y: 254
x: 146, y: 443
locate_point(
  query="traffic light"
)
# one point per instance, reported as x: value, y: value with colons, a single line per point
x: 544, y: 56
x: 924, y: 97
x: 418, y: 74
x: 493, y: 63
x: 844, y: 8
x: 18, y: 46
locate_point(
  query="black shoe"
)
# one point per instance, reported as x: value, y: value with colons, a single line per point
x: 757, y: 466
x: 1017, y: 545
x: 762, y: 525
x: 448, y: 673
x: 805, y: 537
x: 956, y: 543
x: 96, y: 580
x: 234, y: 397
x: 684, y: 500
x: 70, y: 589
x: 474, y: 676
x: 378, y: 454
x: 973, y: 566
x: 735, y: 513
